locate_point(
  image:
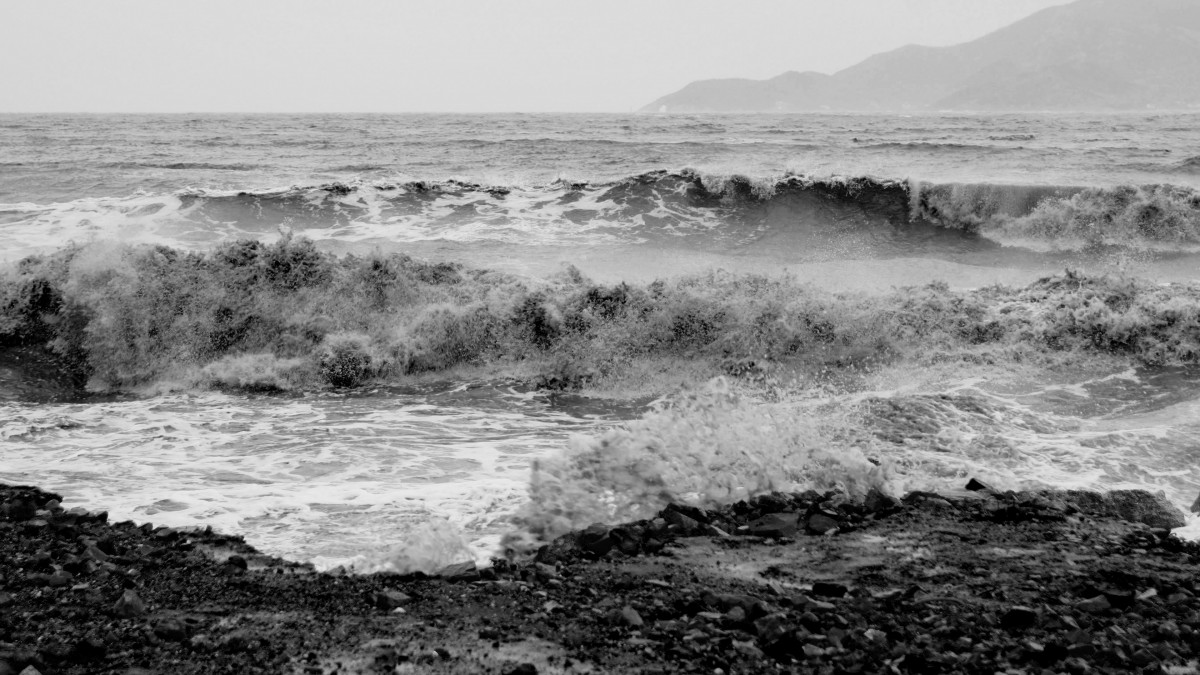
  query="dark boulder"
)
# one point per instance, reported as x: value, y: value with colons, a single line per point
x: 1136, y: 506
x: 820, y: 523
x: 1019, y: 618
x: 976, y: 485
x: 829, y: 590
x: 775, y: 525
x: 879, y: 503
x: 596, y: 540
x: 464, y: 571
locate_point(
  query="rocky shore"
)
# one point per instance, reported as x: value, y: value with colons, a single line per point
x: 971, y: 582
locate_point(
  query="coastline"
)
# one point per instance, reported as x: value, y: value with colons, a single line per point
x: 974, y: 581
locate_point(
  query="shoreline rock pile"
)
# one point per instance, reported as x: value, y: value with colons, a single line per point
x: 976, y: 581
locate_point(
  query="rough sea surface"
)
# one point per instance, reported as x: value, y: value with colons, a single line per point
x: 415, y: 475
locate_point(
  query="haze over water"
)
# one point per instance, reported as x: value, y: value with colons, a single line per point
x: 843, y: 202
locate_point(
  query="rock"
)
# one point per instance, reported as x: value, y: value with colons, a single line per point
x: 237, y: 562
x: 95, y: 553
x: 627, y: 540
x: 820, y: 523
x: 714, y: 531
x: 1093, y: 605
x: 90, y: 649
x: 545, y: 572
x: 630, y: 617
x: 390, y: 599
x: 775, y: 526
x: 237, y: 641
x: 829, y: 590
x: 726, y: 601
x: 30, y: 670
x: 40, y: 561
x: 875, y: 636
x: 1120, y: 599
x: 685, y: 523
x: 694, y: 512
x: 170, y: 629
x: 60, y: 579
x: 523, y: 669
x: 1167, y: 630
x: 772, y: 627
x: 460, y: 572
x: 6, y: 599
x: 1143, y: 658
x: 879, y: 503
x: 129, y: 605
x: 1136, y: 506
x: 595, y: 540
x: 19, y: 509
x: 976, y: 485
x: 1019, y: 618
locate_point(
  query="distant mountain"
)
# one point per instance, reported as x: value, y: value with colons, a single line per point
x: 1090, y: 54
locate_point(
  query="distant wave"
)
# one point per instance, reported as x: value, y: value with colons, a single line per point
x: 359, y: 168
x: 646, y: 207
x: 1190, y: 165
x: 183, y: 166
x: 934, y: 147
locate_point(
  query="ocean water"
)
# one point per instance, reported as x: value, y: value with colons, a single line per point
x: 414, y: 472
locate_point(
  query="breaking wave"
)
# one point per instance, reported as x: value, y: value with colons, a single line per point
x: 254, y: 317
x: 638, y: 209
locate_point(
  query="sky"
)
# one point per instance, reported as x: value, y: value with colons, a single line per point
x: 442, y: 55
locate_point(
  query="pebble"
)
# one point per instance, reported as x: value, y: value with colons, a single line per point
x: 772, y: 627
x: 1094, y: 605
x: 237, y: 641
x: 1143, y: 658
x: 170, y: 629
x: 1019, y: 618
x: 630, y: 617
x: 390, y: 599
x: 829, y: 590
x: 129, y: 605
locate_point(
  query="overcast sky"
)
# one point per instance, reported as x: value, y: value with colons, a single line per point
x: 442, y: 55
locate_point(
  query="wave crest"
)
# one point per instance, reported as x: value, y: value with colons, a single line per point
x: 655, y: 206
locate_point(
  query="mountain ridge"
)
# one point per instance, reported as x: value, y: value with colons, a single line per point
x: 1089, y: 54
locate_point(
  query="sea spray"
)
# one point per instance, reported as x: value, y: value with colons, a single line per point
x: 1156, y: 217
x: 286, y: 316
x: 427, y: 547
x: 706, y: 447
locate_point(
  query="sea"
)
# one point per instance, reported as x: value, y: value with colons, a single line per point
x: 859, y: 210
